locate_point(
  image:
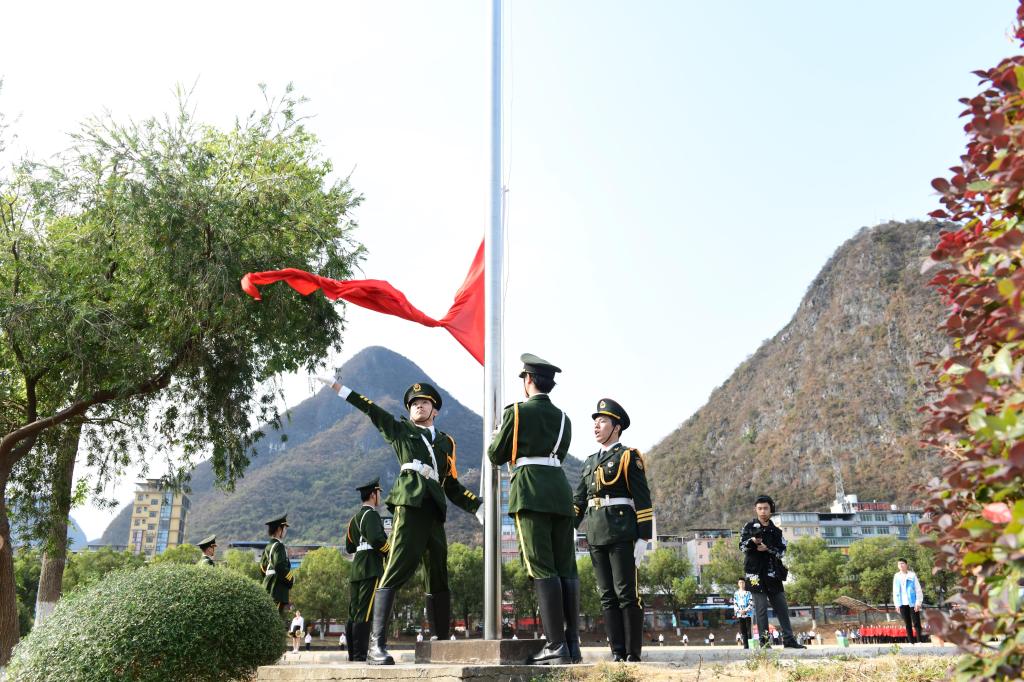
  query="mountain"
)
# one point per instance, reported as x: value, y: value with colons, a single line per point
x: 837, y: 389
x: 330, y: 448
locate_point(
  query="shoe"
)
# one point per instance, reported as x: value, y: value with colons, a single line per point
x: 571, y: 612
x: 549, y: 602
x: 617, y: 658
x: 616, y: 631
x: 378, y: 654
x: 792, y: 644
x: 766, y: 643
x: 634, y: 621
x: 632, y: 658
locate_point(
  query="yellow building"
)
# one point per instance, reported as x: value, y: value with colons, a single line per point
x: 158, y: 518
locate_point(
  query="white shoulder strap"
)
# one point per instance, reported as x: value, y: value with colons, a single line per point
x: 561, y: 430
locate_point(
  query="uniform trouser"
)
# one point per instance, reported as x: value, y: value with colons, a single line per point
x: 548, y: 544
x: 781, y: 607
x: 616, y: 574
x: 911, y: 616
x: 417, y: 537
x: 360, y: 603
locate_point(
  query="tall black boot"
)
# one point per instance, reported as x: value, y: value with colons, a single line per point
x: 571, y: 611
x: 634, y: 617
x: 549, y: 599
x: 439, y: 613
x: 383, y: 600
x: 350, y: 640
x: 361, y: 633
x: 615, y: 628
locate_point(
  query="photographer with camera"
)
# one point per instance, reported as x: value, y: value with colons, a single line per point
x: 763, y: 547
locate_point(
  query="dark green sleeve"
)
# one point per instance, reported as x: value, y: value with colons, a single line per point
x: 381, y: 418
x: 373, y: 530
x: 636, y: 478
x: 281, y: 563
x: 579, y: 500
x: 461, y: 497
x: 500, y: 449
x: 351, y: 542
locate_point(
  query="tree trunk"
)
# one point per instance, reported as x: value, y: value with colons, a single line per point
x: 51, y: 576
x: 8, y: 596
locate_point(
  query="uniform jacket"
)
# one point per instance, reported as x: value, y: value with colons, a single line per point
x: 366, y: 526
x: 765, y: 571
x: 616, y: 472
x: 411, y: 488
x: 205, y: 561
x: 530, y: 429
x: 276, y: 567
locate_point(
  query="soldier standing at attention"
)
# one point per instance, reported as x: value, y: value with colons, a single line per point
x: 208, y: 546
x: 533, y: 439
x: 614, y: 498
x: 417, y: 500
x: 367, y: 540
x: 276, y: 568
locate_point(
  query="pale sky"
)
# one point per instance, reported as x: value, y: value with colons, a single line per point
x: 678, y: 172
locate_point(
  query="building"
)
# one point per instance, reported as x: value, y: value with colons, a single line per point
x: 697, y: 543
x: 847, y: 521
x: 159, y: 517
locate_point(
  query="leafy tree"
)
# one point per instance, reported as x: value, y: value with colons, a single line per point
x: 684, y: 590
x: 466, y: 580
x: 870, y: 565
x: 321, y: 589
x: 724, y: 567
x: 519, y: 591
x: 85, y: 568
x: 816, y: 573
x: 26, y: 580
x: 120, y: 304
x: 659, y: 574
x: 590, y: 598
x: 182, y: 554
x: 241, y: 561
x: 935, y: 582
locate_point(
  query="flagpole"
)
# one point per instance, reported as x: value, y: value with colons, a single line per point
x: 493, y: 259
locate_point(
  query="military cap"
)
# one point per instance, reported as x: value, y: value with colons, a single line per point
x: 206, y: 542
x: 279, y: 521
x: 423, y: 391
x: 371, y: 486
x: 534, y: 365
x: 610, y: 408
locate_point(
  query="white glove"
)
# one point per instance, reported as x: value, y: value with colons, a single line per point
x: 326, y: 381
x: 639, y: 549
x: 480, y: 513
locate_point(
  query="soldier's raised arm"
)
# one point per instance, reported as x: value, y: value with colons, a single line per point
x: 385, y: 422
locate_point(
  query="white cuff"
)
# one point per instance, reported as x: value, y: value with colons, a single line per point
x: 343, y: 392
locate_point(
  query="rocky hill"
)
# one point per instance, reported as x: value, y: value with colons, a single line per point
x: 837, y: 388
x: 330, y: 448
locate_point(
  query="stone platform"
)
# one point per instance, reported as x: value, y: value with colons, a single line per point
x: 478, y: 651
x: 358, y: 672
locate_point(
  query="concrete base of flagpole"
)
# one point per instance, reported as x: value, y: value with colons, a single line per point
x: 478, y: 651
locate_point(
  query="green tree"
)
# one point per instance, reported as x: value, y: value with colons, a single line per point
x: 182, y: 554
x: 724, y: 567
x: 84, y: 568
x: 241, y: 561
x: 590, y: 598
x: 321, y: 589
x: 684, y: 590
x: 816, y: 573
x: 519, y: 592
x: 870, y: 565
x: 659, y: 574
x: 120, y: 304
x: 466, y: 580
x: 26, y: 580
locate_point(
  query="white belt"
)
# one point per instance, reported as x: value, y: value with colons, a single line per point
x: 421, y: 468
x: 271, y: 571
x: 598, y: 502
x: 551, y: 461
x: 363, y: 546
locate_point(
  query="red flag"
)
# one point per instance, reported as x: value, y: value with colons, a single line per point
x: 464, y: 321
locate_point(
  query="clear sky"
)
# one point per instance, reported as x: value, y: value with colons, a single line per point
x: 678, y: 172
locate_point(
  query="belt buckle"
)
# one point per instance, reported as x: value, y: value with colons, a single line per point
x: 598, y: 505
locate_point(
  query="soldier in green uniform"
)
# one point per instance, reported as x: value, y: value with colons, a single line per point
x: 276, y: 568
x: 426, y: 476
x: 368, y: 542
x: 209, y: 548
x: 614, y: 498
x: 534, y: 439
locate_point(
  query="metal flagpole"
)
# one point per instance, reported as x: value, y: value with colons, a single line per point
x: 493, y: 255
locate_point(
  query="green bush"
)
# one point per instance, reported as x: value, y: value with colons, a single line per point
x: 167, y: 622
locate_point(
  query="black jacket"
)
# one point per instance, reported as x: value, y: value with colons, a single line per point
x: 764, y: 571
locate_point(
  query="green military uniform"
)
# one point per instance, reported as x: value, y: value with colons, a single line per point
x: 417, y: 500
x: 367, y: 541
x: 276, y: 567
x: 614, y: 498
x: 533, y: 440
x: 206, y: 542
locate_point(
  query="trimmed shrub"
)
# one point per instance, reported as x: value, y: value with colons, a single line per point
x: 167, y: 622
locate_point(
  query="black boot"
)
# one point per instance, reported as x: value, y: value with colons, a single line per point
x: 439, y: 613
x: 361, y: 633
x: 571, y: 611
x: 634, y: 620
x: 616, y: 631
x: 791, y: 643
x: 549, y: 601
x: 383, y: 600
x: 350, y: 640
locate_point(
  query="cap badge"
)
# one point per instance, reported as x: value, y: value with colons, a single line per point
x: 602, y: 404
x: 417, y: 387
